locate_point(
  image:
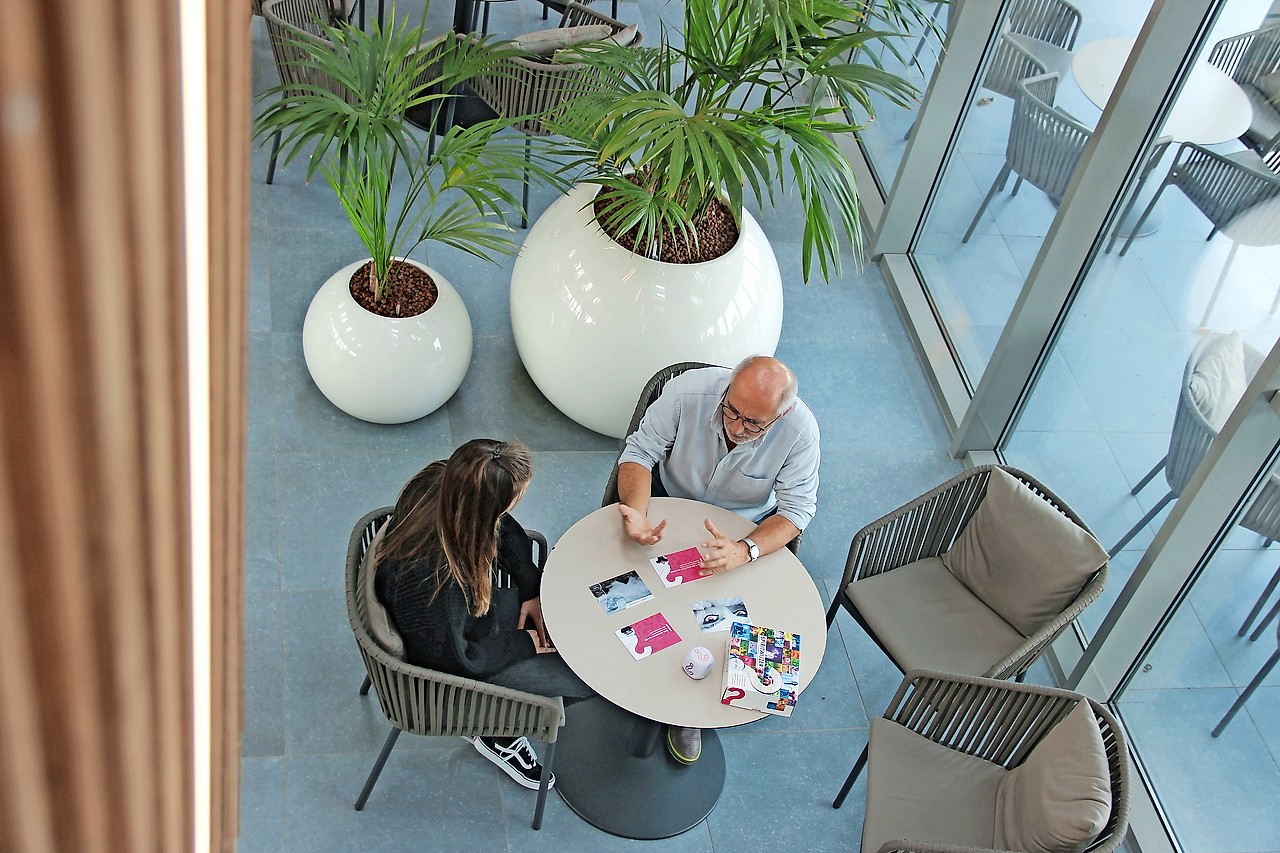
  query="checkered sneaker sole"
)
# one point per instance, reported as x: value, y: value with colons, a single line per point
x: 516, y: 758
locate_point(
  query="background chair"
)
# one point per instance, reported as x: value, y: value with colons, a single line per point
x: 425, y: 702
x: 1216, y: 374
x: 1038, y: 38
x: 1253, y: 685
x: 927, y: 611
x: 1253, y: 60
x: 945, y: 753
x: 1044, y: 148
x: 289, y: 21
x: 531, y: 87
x: 1237, y: 193
x: 651, y: 391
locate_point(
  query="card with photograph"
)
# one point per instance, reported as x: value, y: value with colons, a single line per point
x: 619, y: 593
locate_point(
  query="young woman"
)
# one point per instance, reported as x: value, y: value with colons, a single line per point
x: 457, y: 577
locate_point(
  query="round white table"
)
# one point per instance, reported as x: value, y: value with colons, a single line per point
x: 1211, y: 108
x: 611, y: 764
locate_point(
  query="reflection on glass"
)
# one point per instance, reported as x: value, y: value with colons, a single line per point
x: 1219, y: 793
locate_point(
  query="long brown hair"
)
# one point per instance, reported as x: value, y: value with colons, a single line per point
x: 455, y: 508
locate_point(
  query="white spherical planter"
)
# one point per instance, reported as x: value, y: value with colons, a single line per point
x: 593, y: 321
x: 386, y: 370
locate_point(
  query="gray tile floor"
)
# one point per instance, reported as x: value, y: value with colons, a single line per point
x: 310, y: 739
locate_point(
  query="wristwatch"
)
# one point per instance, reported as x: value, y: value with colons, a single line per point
x: 753, y: 550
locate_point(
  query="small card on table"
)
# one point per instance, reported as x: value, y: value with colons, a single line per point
x: 649, y: 635
x: 678, y: 567
x: 617, y: 594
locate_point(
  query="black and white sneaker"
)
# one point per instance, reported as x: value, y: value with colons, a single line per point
x: 516, y: 757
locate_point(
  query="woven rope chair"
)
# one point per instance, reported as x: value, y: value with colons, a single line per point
x: 1189, y: 441
x: 927, y: 527
x: 1044, y: 148
x: 1221, y: 186
x: 1001, y: 723
x: 289, y: 21
x: 531, y: 88
x: 1038, y: 38
x: 1247, y: 58
x: 425, y: 702
x: 652, y: 390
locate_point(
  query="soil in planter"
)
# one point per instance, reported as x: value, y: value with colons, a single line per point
x: 410, y: 293
x: 717, y: 234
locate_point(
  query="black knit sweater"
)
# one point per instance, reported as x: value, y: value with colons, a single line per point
x: 439, y: 631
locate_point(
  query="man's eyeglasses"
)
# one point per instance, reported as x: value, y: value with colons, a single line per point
x: 749, y: 426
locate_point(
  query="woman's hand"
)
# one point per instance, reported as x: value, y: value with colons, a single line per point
x: 531, y: 615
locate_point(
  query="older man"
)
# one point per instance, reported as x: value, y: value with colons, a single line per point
x: 738, y: 439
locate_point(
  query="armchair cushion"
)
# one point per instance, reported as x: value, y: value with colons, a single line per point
x: 926, y: 619
x: 1022, y: 557
x: 924, y: 791
x: 547, y: 42
x: 379, y: 621
x: 1218, y: 379
x: 1059, y: 798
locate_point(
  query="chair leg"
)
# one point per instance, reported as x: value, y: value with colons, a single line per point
x: 1266, y: 620
x: 833, y: 609
x: 1262, y: 600
x: 995, y: 186
x: 853, y: 777
x: 1137, y: 226
x: 377, y: 768
x: 1217, y: 288
x: 1155, y: 510
x: 275, y: 149
x: 1248, y: 691
x: 1017, y: 185
x: 548, y: 758
x: 364, y: 688
x: 1142, y: 484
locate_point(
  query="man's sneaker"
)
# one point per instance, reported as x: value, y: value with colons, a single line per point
x: 516, y: 757
x: 685, y: 745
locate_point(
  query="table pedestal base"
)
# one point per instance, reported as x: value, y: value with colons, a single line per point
x: 648, y: 795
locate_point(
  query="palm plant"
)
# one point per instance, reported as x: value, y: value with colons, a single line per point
x: 398, y: 190
x: 751, y: 93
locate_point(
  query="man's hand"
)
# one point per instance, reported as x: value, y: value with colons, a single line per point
x: 531, y: 614
x: 638, y: 527
x: 722, y: 553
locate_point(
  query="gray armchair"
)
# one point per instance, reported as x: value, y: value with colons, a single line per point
x: 1253, y: 60
x: 974, y: 764
x: 976, y: 576
x: 425, y: 702
x: 1217, y: 372
x: 1044, y: 148
x: 1038, y: 38
x: 288, y: 22
x: 530, y: 87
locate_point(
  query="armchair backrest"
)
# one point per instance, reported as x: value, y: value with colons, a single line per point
x: 1222, y: 186
x: 288, y: 23
x: 426, y: 702
x: 1053, y: 21
x: 1248, y: 56
x: 1045, y: 144
x: 651, y: 391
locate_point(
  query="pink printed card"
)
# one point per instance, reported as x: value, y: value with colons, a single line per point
x: 678, y: 567
x: 651, y: 634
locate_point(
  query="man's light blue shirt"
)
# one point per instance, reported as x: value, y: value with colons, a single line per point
x: 682, y: 433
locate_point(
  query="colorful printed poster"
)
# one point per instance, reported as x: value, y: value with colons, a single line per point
x: 651, y: 634
x: 679, y: 567
x: 762, y: 669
